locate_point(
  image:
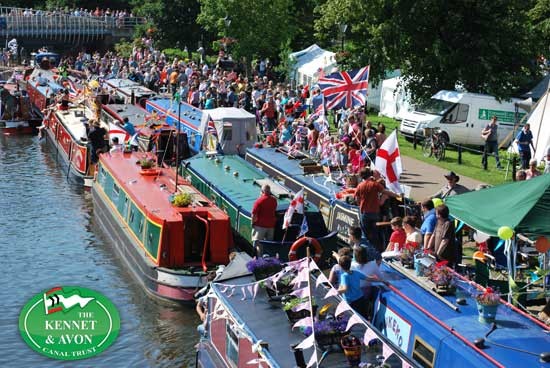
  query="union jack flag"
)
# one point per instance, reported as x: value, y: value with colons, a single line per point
x: 345, y: 89
x: 211, y: 128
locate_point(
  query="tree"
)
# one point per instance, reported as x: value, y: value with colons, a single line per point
x: 174, y: 22
x: 486, y: 46
x: 540, y: 15
x: 261, y: 27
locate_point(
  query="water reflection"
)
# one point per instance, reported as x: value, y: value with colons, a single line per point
x: 48, y: 237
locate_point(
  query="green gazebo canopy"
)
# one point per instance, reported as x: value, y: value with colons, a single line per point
x: 522, y: 205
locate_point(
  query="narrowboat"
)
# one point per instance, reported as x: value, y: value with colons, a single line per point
x: 127, y: 91
x: 244, y: 327
x: 234, y: 185
x: 171, y: 251
x: 16, y: 113
x: 226, y: 130
x: 42, y: 86
x: 443, y: 327
x: 67, y: 131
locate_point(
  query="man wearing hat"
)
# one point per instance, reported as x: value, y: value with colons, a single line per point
x: 451, y: 188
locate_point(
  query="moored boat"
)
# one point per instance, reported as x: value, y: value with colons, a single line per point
x: 127, y: 91
x: 172, y: 251
x: 435, y: 325
x: 234, y: 185
x: 224, y: 129
x: 244, y: 327
x: 323, y: 189
x: 16, y: 114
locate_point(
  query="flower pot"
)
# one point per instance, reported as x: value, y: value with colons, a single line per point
x: 487, y: 313
x: 282, y: 290
x: 352, y: 349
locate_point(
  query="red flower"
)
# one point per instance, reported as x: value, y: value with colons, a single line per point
x: 441, y: 264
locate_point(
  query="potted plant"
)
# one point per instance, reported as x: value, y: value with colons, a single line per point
x: 328, y: 331
x: 291, y: 302
x: 146, y: 163
x: 263, y: 267
x: 352, y: 349
x: 282, y: 287
x: 181, y: 199
x: 487, y: 305
x: 441, y: 275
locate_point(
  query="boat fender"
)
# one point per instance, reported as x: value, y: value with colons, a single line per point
x: 544, y: 357
x: 292, y: 255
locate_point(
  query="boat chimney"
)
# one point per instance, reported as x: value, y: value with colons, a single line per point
x: 298, y: 356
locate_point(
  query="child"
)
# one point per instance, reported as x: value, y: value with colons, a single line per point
x: 398, y: 236
x: 350, y: 286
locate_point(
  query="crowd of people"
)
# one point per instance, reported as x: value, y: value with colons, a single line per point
x: 77, y: 12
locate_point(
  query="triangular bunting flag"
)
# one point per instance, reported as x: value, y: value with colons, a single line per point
x: 341, y: 308
x: 307, y: 343
x: 354, y: 319
x: 331, y: 292
x: 304, y: 322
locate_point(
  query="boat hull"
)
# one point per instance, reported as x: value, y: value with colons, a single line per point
x: 158, y: 282
x: 63, y: 157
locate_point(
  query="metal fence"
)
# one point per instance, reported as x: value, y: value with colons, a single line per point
x: 18, y: 22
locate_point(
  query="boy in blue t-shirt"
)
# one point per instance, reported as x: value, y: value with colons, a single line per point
x: 350, y: 288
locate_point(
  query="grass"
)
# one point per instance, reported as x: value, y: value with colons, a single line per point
x: 471, y: 162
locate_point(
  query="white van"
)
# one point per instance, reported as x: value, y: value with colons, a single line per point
x: 461, y: 116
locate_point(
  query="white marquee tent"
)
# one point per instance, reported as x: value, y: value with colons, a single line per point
x: 539, y: 121
x: 308, y: 62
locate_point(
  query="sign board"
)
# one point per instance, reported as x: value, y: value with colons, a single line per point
x: 395, y: 328
x: 502, y: 116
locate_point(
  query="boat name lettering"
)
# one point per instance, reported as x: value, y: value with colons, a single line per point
x: 396, y: 329
x: 341, y: 216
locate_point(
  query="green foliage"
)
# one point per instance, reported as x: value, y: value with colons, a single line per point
x: 485, y: 45
x: 146, y: 163
x: 182, y: 199
x: 124, y: 48
x: 172, y: 53
x: 540, y: 16
x: 293, y: 302
x: 285, y: 64
x: 260, y: 26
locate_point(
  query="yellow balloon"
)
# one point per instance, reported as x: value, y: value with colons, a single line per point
x: 437, y: 202
x: 505, y: 232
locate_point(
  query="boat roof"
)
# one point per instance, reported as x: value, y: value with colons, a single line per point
x: 188, y: 115
x: 135, y: 114
x: 291, y: 169
x: 228, y: 113
x: 244, y: 188
x: 151, y: 192
x: 137, y: 90
x: 514, y: 330
x: 265, y: 321
x: 73, y: 120
x: 121, y: 82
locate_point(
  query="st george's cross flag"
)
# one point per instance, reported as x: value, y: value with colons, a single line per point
x: 296, y: 205
x: 388, y: 162
x: 345, y: 89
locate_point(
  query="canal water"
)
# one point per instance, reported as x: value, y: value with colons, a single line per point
x: 48, y: 237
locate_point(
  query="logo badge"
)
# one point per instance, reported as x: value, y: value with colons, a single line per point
x: 69, y: 323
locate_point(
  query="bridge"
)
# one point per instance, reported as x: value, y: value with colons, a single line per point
x: 62, y: 27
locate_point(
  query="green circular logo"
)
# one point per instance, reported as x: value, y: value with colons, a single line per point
x: 69, y: 323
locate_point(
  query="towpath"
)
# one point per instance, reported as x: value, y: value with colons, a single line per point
x: 426, y: 179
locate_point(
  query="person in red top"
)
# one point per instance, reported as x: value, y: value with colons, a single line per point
x: 398, y: 236
x: 263, y: 217
x: 367, y: 195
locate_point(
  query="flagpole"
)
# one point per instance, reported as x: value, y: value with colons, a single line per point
x: 177, y: 97
x: 308, y: 259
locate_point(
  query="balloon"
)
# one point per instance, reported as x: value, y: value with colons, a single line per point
x: 437, y: 202
x: 542, y: 244
x: 480, y: 236
x: 505, y: 232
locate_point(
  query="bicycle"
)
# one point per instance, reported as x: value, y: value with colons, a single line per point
x: 434, y: 145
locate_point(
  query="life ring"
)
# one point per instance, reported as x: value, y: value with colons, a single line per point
x: 346, y: 192
x: 292, y: 255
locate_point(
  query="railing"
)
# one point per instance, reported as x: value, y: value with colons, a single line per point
x: 19, y: 22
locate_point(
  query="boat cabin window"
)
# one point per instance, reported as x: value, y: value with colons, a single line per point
x: 102, y: 176
x: 227, y: 132
x: 231, y: 343
x: 423, y: 353
x: 116, y: 191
